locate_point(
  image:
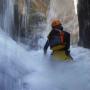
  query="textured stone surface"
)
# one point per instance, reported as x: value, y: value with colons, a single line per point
x: 84, y: 22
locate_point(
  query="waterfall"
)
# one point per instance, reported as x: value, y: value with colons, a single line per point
x: 75, y: 4
x: 6, y: 16
x: 32, y: 70
x: 11, y: 70
x: 62, y: 10
x: 65, y: 10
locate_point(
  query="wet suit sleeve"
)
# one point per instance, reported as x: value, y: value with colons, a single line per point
x: 67, y: 38
x: 67, y: 41
x: 47, y: 42
x: 46, y: 46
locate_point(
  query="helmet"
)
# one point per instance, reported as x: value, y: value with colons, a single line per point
x: 56, y: 23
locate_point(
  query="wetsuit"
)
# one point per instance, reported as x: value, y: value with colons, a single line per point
x: 66, y: 38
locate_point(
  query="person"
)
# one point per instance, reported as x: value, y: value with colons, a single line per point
x: 58, y: 39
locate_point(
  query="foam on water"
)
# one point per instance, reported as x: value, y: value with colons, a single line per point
x: 39, y: 72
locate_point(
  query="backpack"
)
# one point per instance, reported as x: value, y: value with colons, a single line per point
x: 57, y: 42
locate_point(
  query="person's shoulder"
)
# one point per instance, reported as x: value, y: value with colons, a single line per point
x: 50, y: 33
x: 66, y: 32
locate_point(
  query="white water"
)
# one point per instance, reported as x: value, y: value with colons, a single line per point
x: 8, y: 16
x: 24, y: 70
x: 34, y: 71
x: 75, y: 5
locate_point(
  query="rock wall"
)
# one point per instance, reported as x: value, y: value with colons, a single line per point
x: 84, y: 22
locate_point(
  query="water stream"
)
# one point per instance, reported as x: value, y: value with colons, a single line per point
x: 32, y: 70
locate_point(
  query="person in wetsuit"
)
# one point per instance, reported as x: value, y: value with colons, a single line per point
x: 58, y: 39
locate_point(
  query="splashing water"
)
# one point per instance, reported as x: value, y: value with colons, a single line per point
x: 24, y: 70
x: 8, y: 16
x: 75, y: 4
x: 32, y: 70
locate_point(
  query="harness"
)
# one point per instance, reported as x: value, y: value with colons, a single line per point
x: 57, y: 42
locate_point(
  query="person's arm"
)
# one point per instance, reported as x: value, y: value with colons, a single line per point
x: 67, y: 48
x: 68, y: 41
x: 47, y: 43
x: 46, y: 47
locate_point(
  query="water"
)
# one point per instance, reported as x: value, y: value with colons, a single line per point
x: 6, y: 15
x: 75, y: 5
x: 32, y: 70
x: 65, y: 11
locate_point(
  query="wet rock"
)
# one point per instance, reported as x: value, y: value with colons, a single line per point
x: 84, y: 22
